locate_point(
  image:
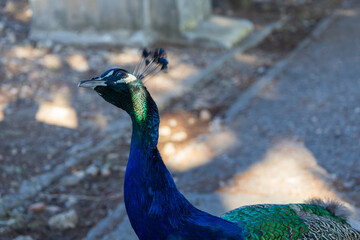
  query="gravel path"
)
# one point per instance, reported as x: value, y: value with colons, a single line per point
x: 313, y: 107
x: 299, y: 137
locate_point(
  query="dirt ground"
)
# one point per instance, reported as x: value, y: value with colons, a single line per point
x: 41, y: 77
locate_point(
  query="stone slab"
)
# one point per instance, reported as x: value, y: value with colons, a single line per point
x: 221, y: 31
x: 133, y: 23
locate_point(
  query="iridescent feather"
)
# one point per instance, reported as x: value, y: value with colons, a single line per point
x: 151, y: 62
x: 292, y: 221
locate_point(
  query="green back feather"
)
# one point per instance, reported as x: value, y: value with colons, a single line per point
x: 293, y: 221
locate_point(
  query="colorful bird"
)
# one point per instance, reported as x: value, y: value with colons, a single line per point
x: 156, y: 208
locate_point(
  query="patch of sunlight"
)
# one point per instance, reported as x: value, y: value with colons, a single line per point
x: 129, y: 57
x: 78, y: 62
x: 347, y: 12
x: 24, y: 16
x: 26, y: 52
x: 101, y: 121
x: 289, y: 171
x: 247, y: 58
x: 201, y: 151
x: 52, y: 61
x: 10, y: 7
x: 270, y: 92
x: 20, y: 13
x: 98, y: 119
x: 58, y: 112
x: 52, y: 114
x: 221, y: 21
x: 1, y: 114
x: 173, y: 79
x: 220, y: 203
x: 234, y: 200
x: 182, y: 71
x: 160, y: 83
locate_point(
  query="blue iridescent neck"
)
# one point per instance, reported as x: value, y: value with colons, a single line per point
x: 155, y: 207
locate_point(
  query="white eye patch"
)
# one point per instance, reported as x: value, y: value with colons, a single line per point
x: 120, y: 81
x: 128, y: 79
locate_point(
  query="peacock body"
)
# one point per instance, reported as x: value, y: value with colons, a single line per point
x: 157, y: 210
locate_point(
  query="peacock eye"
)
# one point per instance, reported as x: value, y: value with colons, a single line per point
x: 121, y: 74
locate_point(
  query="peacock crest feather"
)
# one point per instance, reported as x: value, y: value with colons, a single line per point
x: 151, y: 62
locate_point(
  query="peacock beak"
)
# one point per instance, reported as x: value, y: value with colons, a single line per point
x: 92, y: 83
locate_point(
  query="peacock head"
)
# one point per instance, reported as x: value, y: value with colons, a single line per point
x: 123, y: 88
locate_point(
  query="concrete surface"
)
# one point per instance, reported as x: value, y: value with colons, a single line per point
x: 315, y: 101
x: 137, y: 22
x: 220, y: 31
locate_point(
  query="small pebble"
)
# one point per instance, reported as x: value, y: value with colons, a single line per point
x: 80, y: 174
x: 70, y: 180
x: 14, y: 151
x: 72, y: 200
x: 112, y: 156
x: 2, y: 26
x: 92, y: 170
x: 37, y: 207
x: 105, y: 172
x: 23, y: 237
x: 205, y: 115
x: 63, y: 221
x: 8, y: 223
x: 14, y: 184
x: 52, y: 209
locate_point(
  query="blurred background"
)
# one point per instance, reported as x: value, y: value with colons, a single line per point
x: 63, y: 150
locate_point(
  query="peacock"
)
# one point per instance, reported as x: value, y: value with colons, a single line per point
x: 156, y: 208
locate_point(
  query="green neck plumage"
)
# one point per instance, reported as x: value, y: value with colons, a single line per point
x: 140, y: 108
x: 144, y: 115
